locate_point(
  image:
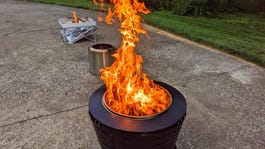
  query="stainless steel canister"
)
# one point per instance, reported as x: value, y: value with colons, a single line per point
x: 100, y: 57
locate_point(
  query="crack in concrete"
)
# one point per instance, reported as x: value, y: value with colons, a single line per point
x: 29, y: 31
x: 43, y: 115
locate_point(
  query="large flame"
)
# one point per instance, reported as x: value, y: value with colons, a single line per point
x: 129, y: 90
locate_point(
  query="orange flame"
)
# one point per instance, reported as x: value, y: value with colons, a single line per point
x: 100, y: 18
x: 75, y: 18
x: 129, y: 90
x: 95, y: 2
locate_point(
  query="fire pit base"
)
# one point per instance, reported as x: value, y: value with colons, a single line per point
x: 118, y: 132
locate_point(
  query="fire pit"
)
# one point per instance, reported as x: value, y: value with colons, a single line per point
x: 120, y: 132
x: 132, y: 111
x: 74, y: 29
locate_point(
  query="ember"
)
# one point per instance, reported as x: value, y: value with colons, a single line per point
x: 129, y: 90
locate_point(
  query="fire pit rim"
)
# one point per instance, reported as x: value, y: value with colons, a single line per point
x: 170, y: 117
x: 102, y: 47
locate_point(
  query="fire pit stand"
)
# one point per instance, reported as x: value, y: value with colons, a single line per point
x: 73, y: 32
x: 118, y: 132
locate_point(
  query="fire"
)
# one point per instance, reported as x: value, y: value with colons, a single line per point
x: 100, y: 18
x: 129, y: 90
x: 75, y: 18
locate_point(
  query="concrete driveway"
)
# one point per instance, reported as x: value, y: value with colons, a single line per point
x: 45, y: 84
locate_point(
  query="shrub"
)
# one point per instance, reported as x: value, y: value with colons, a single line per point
x: 199, y: 7
x: 248, y: 5
x: 189, y: 7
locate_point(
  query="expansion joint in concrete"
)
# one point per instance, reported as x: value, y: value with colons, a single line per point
x: 28, y: 31
x: 44, y: 115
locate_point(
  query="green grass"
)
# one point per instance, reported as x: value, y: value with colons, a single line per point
x: 242, y: 35
x: 238, y: 34
x: 87, y: 4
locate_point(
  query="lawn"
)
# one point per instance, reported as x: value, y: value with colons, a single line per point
x: 87, y: 4
x: 239, y: 34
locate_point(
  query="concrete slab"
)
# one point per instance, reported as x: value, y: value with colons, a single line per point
x: 45, y: 84
x: 68, y: 129
x: 222, y: 113
x: 39, y: 75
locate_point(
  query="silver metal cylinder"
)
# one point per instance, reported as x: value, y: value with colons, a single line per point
x: 100, y: 57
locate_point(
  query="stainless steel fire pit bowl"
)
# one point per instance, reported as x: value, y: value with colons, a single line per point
x: 100, y: 57
x: 118, y: 132
x: 138, y: 117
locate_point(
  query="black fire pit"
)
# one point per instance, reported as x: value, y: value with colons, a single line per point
x: 119, y: 132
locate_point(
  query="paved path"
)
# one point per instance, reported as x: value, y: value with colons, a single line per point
x: 45, y: 84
